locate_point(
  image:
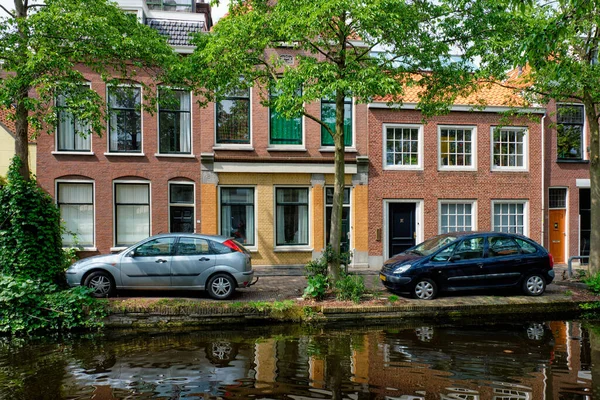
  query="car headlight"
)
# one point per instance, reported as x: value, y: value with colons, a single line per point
x: 402, y: 269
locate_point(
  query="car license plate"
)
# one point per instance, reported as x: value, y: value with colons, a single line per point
x: 382, y: 277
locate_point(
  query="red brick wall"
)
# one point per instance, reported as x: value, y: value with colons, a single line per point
x: 431, y: 185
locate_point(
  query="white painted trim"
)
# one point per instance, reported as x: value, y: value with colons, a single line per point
x: 419, y: 219
x: 525, y: 167
x: 72, y: 153
x: 459, y: 107
x: 332, y: 149
x: 582, y: 183
x: 473, y: 204
x: 473, y: 166
x: 512, y: 201
x: 291, y: 147
x: 191, y: 153
x: 86, y: 181
x: 254, y: 247
x: 157, y: 155
x: 114, y: 198
x: 124, y: 154
x: 108, y: 152
x: 291, y: 248
x: 283, y: 168
x: 169, y: 204
x: 420, y: 156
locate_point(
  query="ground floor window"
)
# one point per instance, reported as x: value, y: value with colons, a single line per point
x: 345, y: 241
x: 76, y: 203
x: 585, y: 227
x: 237, y: 214
x: 456, y: 216
x: 291, y: 216
x: 509, y: 217
x: 132, y: 213
x: 181, y: 207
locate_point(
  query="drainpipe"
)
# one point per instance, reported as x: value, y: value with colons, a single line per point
x: 543, y: 182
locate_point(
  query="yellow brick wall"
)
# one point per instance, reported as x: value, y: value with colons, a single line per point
x: 7, y: 152
x: 265, y: 207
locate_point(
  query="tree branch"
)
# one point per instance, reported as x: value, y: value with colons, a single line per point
x: 318, y: 121
x: 8, y: 12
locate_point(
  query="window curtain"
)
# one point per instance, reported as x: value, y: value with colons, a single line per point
x: 69, y: 133
x: 133, y: 213
x: 185, y: 124
x: 78, y: 217
x: 292, y: 217
x: 328, y: 116
x: 237, y: 214
x: 285, y: 131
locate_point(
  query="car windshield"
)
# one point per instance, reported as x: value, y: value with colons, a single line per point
x: 432, y: 245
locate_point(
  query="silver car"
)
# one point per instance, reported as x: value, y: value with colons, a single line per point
x: 184, y: 261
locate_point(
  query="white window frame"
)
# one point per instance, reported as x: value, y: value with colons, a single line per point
x: 254, y: 247
x: 235, y: 146
x: 512, y: 201
x: 525, y: 166
x: 80, y: 181
x: 89, y: 152
x: 584, y: 144
x: 120, y: 154
x: 473, y: 166
x: 193, y: 204
x: 175, y: 155
x: 473, y: 204
x: 419, y: 166
x: 352, y: 147
x: 287, y: 147
x: 293, y: 248
x: 114, y: 206
x: 349, y: 205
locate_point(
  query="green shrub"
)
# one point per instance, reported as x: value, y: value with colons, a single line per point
x: 393, y: 298
x: 28, y: 306
x: 350, y: 287
x: 593, y: 283
x: 316, y: 267
x: 30, y: 230
x: 316, y: 287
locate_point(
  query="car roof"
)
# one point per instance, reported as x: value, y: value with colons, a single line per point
x: 463, y: 234
x: 218, y: 238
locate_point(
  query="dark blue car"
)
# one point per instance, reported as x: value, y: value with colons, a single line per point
x: 469, y: 260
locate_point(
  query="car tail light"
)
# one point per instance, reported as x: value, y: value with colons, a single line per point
x: 233, y: 246
x: 551, y: 260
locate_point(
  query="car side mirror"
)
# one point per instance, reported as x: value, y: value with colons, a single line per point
x: 132, y: 254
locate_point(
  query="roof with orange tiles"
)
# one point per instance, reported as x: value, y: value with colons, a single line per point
x: 9, y: 125
x: 500, y: 94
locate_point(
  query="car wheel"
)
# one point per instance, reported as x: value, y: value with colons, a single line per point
x: 425, y: 289
x: 101, y: 283
x: 534, y: 285
x: 221, y: 286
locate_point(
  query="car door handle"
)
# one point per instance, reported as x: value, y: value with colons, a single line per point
x: 160, y: 261
x: 480, y: 265
x: 204, y: 259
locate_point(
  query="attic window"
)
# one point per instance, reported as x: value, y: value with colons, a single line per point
x: 172, y: 5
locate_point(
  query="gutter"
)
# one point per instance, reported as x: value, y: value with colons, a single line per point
x: 459, y: 107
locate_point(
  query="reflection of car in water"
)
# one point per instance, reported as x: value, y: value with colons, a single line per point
x: 221, y: 352
x: 470, y: 352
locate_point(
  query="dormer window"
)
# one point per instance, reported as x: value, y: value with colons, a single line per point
x: 172, y: 5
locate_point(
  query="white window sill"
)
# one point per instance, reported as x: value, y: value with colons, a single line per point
x: 158, y: 155
x: 243, y: 147
x: 252, y: 249
x: 117, y: 249
x: 456, y: 169
x: 402, y: 168
x: 286, y: 148
x: 73, y: 153
x: 332, y: 149
x: 292, y: 249
x: 82, y: 249
x: 125, y: 154
x: 510, y: 170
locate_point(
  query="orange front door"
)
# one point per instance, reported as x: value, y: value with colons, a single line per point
x: 557, y: 235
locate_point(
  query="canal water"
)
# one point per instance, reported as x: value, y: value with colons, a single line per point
x: 517, y: 360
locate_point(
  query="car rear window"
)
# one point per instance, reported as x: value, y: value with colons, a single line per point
x: 501, y: 246
x: 526, y: 247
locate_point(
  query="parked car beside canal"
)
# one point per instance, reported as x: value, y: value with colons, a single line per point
x: 469, y: 260
x: 176, y: 261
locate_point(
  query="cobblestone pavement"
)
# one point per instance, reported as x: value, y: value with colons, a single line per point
x: 277, y: 283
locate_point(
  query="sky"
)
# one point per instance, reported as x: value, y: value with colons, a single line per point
x: 217, y: 12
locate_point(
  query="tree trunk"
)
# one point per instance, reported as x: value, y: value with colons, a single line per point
x: 338, y: 190
x: 590, y: 111
x: 21, y: 134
